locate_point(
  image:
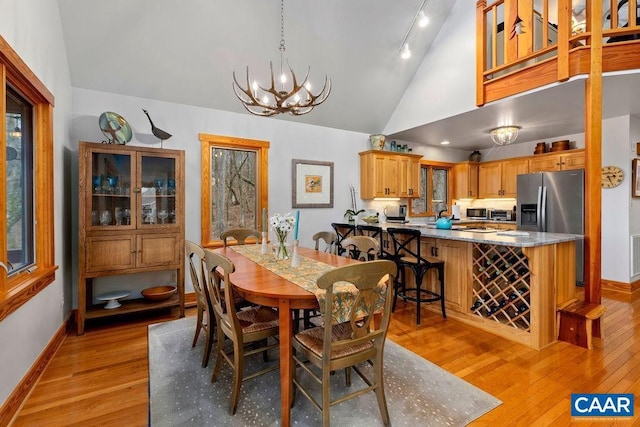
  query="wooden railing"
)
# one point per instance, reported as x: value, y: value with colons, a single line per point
x: 519, y: 48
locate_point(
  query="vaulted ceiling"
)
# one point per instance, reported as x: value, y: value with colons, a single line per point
x: 186, y: 52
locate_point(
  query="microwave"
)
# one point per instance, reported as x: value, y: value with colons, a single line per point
x: 500, y: 215
x: 477, y: 213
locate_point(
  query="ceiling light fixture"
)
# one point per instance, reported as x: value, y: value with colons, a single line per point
x: 16, y: 132
x: 445, y: 143
x: 422, y: 21
x: 504, y: 135
x: 297, y: 101
x: 405, y: 53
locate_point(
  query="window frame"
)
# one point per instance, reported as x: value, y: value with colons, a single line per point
x: 207, y: 143
x: 19, y: 288
x: 430, y: 165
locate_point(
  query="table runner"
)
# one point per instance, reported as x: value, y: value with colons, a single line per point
x: 305, y: 276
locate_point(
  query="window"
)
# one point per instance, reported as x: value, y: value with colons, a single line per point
x: 234, y: 186
x: 26, y: 183
x: 435, y: 189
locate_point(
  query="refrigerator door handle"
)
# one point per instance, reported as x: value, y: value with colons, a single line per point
x: 543, y: 210
x: 538, y: 210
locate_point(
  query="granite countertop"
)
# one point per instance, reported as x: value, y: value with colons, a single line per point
x: 495, y: 237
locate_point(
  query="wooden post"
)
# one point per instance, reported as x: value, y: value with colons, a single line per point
x: 481, y: 50
x: 564, y: 26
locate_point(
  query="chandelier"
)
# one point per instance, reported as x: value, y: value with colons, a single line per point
x: 295, y: 98
x: 504, y: 135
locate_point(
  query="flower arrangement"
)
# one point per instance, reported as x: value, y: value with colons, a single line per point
x: 282, y: 225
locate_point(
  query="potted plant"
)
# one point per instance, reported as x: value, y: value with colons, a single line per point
x: 352, y: 213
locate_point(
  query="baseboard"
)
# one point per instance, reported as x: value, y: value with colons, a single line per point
x: 23, y: 389
x: 628, y: 288
x: 190, y: 300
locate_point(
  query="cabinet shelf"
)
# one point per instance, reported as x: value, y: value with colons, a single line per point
x: 131, y: 306
x: 501, y: 285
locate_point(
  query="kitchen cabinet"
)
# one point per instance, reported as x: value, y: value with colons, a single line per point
x: 389, y: 174
x: 456, y: 270
x: 549, y: 162
x: 499, y: 179
x: 131, y: 220
x: 465, y: 180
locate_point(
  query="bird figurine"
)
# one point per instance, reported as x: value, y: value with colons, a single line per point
x: 158, y: 133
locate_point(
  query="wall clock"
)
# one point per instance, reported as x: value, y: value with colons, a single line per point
x: 612, y: 176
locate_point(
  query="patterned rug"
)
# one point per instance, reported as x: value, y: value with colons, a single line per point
x: 181, y: 393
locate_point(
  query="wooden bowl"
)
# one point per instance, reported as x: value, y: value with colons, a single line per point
x: 158, y: 293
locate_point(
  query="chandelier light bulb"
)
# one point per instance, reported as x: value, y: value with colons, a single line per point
x: 283, y: 78
x: 307, y: 86
x: 265, y: 99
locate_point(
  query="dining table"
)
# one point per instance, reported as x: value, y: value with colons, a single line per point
x: 259, y: 283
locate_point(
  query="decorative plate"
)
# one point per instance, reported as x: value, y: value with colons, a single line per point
x: 115, y: 128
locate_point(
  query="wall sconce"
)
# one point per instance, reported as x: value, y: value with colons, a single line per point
x: 504, y: 135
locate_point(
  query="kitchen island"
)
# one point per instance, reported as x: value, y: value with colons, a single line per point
x: 499, y: 281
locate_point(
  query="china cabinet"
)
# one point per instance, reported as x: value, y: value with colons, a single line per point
x: 131, y: 220
x: 389, y: 174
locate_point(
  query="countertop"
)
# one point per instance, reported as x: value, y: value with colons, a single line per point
x: 493, y: 238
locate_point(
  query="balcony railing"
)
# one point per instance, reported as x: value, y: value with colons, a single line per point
x: 523, y: 45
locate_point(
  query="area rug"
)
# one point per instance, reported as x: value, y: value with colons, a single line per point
x: 181, y: 393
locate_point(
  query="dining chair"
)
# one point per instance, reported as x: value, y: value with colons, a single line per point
x: 333, y: 347
x: 343, y: 230
x: 253, y: 325
x: 376, y: 232
x: 206, y: 320
x: 240, y: 235
x: 329, y: 238
x: 362, y: 248
x: 406, y: 245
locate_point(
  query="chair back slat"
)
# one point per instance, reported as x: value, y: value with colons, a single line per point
x: 370, y: 297
x: 362, y: 248
x: 343, y: 230
x: 195, y: 257
x: 218, y: 269
x: 329, y: 237
x: 406, y: 243
x: 240, y: 235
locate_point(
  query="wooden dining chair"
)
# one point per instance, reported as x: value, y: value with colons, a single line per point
x: 253, y: 325
x: 362, y: 248
x: 206, y: 319
x: 343, y: 230
x: 240, y: 235
x: 329, y: 238
x: 332, y: 347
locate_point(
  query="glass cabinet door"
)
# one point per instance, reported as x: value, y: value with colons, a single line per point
x: 157, y: 191
x: 111, y: 203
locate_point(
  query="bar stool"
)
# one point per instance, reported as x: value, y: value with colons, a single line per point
x: 343, y: 230
x: 375, y: 231
x: 406, y: 245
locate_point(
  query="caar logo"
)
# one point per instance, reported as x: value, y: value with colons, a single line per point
x: 602, y: 405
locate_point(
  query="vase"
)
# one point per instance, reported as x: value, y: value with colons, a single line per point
x: 377, y: 141
x: 281, y: 250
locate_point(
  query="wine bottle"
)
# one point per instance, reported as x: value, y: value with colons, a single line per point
x: 477, y: 304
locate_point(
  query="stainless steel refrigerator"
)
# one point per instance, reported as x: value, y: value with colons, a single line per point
x: 553, y: 202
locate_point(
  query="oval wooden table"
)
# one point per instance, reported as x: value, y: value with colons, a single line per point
x: 261, y: 286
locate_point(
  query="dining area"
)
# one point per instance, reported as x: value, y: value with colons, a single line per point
x: 271, y: 287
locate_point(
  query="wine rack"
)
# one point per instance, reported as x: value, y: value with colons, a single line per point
x: 501, y: 285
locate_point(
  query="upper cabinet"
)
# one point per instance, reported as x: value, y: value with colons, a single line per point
x: 389, y: 174
x: 465, y: 180
x: 499, y: 179
x: 550, y: 162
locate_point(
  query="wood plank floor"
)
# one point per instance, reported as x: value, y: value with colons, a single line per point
x: 101, y: 378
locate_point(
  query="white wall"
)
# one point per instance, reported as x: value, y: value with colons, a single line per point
x: 288, y: 141
x: 444, y: 84
x: 32, y: 28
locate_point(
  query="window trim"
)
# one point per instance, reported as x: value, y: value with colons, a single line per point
x: 20, y: 288
x: 207, y: 142
x: 430, y: 164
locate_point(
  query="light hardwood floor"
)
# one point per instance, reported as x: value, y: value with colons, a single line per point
x: 101, y: 378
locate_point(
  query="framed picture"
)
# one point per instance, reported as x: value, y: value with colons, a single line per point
x: 312, y: 184
x: 635, y: 180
